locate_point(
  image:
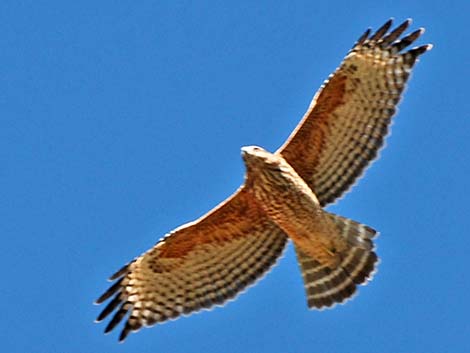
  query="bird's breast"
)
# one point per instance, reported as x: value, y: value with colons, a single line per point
x: 287, y: 200
x: 291, y: 204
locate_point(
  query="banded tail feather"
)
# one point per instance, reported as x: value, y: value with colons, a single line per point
x: 325, y: 286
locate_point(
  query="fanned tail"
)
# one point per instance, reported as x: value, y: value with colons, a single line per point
x: 325, y: 286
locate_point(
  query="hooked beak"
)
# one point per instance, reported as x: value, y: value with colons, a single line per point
x: 245, y: 150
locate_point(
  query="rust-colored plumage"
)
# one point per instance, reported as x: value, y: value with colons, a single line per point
x: 208, y: 261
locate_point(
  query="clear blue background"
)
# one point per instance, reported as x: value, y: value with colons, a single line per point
x: 121, y: 120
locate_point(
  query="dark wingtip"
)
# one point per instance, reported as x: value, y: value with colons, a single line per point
x: 415, y: 35
x: 382, y: 30
x: 405, y: 24
x: 109, y: 292
x: 397, y: 32
x: 121, y: 272
x: 415, y: 52
x: 109, y: 308
x: 363, y: 38
x: 407, y: 40
x: 124, y: 333
x: 109, y: 328
x: 118, y: 316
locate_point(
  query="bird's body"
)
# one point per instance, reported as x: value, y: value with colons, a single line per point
x: 339, y: 251
x: 208, y: 261
x: 291, y: 204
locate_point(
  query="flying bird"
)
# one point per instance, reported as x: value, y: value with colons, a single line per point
x: 212, y: 259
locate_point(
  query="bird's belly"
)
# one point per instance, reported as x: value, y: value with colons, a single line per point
x: 304, y: 221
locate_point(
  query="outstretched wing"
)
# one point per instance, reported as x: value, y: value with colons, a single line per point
x: 348, y: 118
x: 197, y: 266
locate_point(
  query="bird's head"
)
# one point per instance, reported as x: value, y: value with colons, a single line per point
x: 257, y: 158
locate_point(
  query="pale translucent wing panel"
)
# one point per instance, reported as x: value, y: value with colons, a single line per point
x: 197, y: 266
x: 348, y: 119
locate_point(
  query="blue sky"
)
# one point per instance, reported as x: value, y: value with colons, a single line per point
x: 121, y: 121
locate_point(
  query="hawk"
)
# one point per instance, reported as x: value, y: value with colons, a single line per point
x: 209, y: 261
